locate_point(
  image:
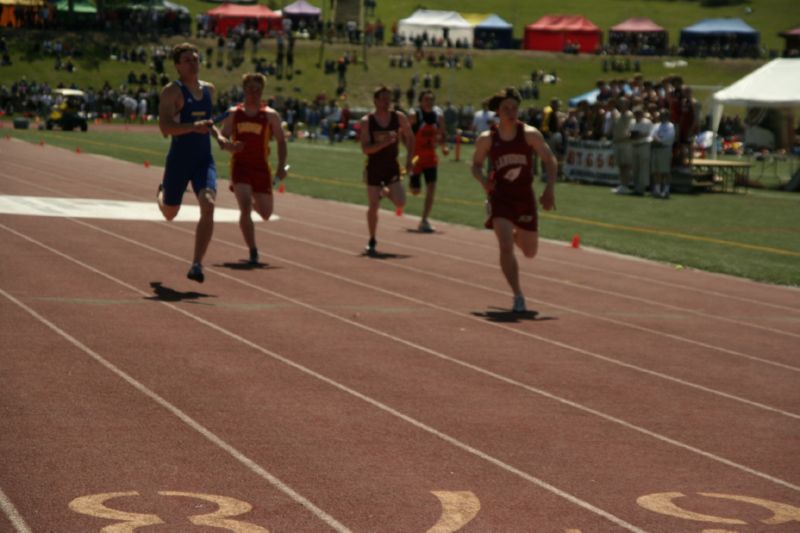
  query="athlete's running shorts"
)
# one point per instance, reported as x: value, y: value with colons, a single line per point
x: 430, y: 177
x: 522, y: 213
x: 178, y: 174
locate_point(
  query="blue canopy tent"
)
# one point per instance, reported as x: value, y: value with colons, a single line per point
x: 495, y: 32
x: 725, y: 35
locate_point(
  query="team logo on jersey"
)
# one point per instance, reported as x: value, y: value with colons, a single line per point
x: 512, y: 174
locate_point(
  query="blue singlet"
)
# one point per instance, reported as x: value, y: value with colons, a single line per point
x: 189, y: 157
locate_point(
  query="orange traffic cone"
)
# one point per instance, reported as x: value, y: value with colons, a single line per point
x: 576, y: 241
x: 41, y: 142
x: 146, y: 163
x: 78, y: 150
x: 399, y: 211
x: 282, y: 187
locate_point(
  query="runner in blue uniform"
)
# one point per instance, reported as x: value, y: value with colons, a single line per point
x: 185, y: 114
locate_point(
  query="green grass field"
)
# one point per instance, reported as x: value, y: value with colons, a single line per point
x: 753, y: 235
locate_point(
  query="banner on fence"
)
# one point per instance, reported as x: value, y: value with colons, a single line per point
x: 591, y: 162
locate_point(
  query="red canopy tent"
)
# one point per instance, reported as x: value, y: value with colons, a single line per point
x: 792, y: 48
x: 553, y: 32
x: 228, y: 16
x: 637, y: 25
x: 641, y: 35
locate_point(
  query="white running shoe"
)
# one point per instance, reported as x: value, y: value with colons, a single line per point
x: 621, y: 189
x: 519, y: 304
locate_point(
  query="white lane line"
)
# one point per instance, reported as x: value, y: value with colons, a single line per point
x: 476, y: 368
x: 274, y: 355
x: 574, y: 264
x: 593, y: 316
x: 547, y: 259
x: 571, y: 284
x: 186, y: 419
x: 20, y: 526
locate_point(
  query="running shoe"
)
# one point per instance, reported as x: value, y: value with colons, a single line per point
x: 622, y: 189
x: 425, y: 226
x: 159, y: 193
x: 519, y: 304
x: 370, y: 248
x: 253, y: 257
x: 196, y: 273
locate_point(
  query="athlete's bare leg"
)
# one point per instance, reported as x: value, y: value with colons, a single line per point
x: 504, y: 231
x: 430, y: 193
x: 397, y: 194
x: 205, y: 227
x: 169, y: 211
x: 374, y: 198
x: 263, y: 204
x: 244, y: 197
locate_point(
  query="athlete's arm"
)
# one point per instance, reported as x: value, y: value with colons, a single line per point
x: 536, y: 141
x: 280, y: 139
x: 169, y: 108
x: 409, y: 140
x: 224, y: 131
x: 482, y: 145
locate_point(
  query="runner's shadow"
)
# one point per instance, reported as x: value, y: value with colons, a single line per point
x: 384, y: 255
x: 166, y: 294
x: 246, y: 265
x: 497, y: 314
x: 415, y: 230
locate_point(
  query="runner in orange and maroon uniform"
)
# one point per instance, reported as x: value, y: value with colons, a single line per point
x: 381, y: 132
x: 251, y: 126
x: 511, y: 202
x: 427, y: 123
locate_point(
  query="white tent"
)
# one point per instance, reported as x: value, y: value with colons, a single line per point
x: 772, y: 85
x: 433, y: 23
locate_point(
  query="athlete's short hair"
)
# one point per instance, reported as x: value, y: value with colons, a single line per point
x: 179, y: 49
x: 254, y: 77
x: 380, y: 89
x: 493, y: 102
x: 424, y: 93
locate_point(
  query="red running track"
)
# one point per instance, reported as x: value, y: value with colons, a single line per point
x: 330, y: 391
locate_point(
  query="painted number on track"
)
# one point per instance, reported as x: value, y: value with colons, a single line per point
x: 95, y: 505
x: 664, y: 503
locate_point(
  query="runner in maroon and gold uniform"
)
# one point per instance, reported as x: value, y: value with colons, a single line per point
x: 427, y: 123
x: 381, y: 131
x: 511, y: 202
x: 251, y: 126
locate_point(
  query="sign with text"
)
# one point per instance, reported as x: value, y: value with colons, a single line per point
x: 591, y: 162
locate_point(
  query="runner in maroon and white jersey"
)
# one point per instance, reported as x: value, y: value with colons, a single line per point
x: 511, y: 203
x: 381, y: 131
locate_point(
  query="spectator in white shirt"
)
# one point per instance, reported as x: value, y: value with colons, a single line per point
x: 641, y: 139
x: 483, y: 120
x: 661, y: 154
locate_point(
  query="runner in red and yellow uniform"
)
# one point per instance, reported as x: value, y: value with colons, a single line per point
x: 251, y: 126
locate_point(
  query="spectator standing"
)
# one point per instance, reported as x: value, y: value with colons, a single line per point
x: 663, y: 139
x: 641, y: 137
x: 483, y: 119
x: 621, y: 138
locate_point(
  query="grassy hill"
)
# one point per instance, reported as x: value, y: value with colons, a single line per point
x: 491, y: 69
